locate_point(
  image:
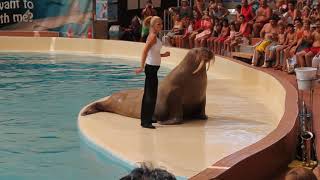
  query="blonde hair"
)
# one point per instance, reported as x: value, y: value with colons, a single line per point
x: 154, y: 20
x: 146, y: 21
x: 306, y: 7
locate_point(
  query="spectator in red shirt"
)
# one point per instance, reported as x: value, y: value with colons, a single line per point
x: 246, y: 11
x: 148, y: 10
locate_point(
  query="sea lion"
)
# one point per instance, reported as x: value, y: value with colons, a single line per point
x: 181, y: 94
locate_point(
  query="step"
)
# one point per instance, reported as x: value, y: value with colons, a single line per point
x: 246, y: 48
x: 242, y: 55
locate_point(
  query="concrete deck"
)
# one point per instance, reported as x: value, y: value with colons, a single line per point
x: 243, y: 104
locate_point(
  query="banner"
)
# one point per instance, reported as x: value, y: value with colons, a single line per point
x: 107, y: 10
x: 102, y: 9
x: 72, y: 18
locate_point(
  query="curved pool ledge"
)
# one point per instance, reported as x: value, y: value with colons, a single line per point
x: 237, y: 94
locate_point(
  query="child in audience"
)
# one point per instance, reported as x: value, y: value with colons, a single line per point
x: 216, y: 31
x: 290, y: 37
x: 227, y: 42
x: 291, y: 49
x: 271, y: 49
x: 225, y: 32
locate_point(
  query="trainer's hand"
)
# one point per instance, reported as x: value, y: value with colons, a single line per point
x: 166, y: 54
x: 139, y: 70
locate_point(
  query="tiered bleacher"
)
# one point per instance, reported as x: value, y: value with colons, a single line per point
x: 257, y: 32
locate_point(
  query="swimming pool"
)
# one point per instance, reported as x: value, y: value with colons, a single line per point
x: 41, y: 95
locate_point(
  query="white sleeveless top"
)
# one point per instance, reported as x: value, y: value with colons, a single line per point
x: 154, y: 57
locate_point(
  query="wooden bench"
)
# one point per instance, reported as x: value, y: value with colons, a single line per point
x: 246, y: 51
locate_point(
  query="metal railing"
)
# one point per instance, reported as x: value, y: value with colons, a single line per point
x: 167, y: 21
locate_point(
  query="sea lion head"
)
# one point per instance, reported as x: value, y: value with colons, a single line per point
x: 203, y: 56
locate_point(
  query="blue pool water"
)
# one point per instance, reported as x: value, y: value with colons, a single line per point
x: 41, y: 95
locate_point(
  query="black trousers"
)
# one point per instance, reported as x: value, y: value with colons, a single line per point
x: 150, y: 94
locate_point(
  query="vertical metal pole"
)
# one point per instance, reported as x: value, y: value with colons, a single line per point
x: 178, y: 3
x: 164, y: 20
x: 311, y: 108
x: 170, y: 22
x: 307, y: 137
x: 94, y: 4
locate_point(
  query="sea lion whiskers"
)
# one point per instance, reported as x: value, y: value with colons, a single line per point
x: 206, y: 56
x: 199, y: 67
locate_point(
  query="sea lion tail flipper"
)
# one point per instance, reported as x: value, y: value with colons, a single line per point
x: 93, y: 108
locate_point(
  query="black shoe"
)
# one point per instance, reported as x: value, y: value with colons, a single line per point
x: 149, y: 126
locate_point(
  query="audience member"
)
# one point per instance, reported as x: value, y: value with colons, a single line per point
x: 213, y: 8
x: 177, y: 29
x: 304, y: 42
x: 246, y: 11
x: 263, y: 16
x: 291, y: 49
x: 237, y: 17
x: 268, y: 32
x: 148, y: 10
x: 184, y: 10
x: 241, y: 37
x: 305, y: 56
x: 271, y: 20
x: 146, y: 172
x: 197, y: 28
x: 300, y: 173
x: 188, y: 29
x: 206, y: 26
x: 305, y: 14
x: 270, y: 53
x: 314, y: 14
x: 199, y: 7
x: 227, y: 42
x: 292, y: 13
x: 133, y: 32
x: 216, y: 32
x: 225, y: 32
x: 290, y: 37
x: 221, y: 12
